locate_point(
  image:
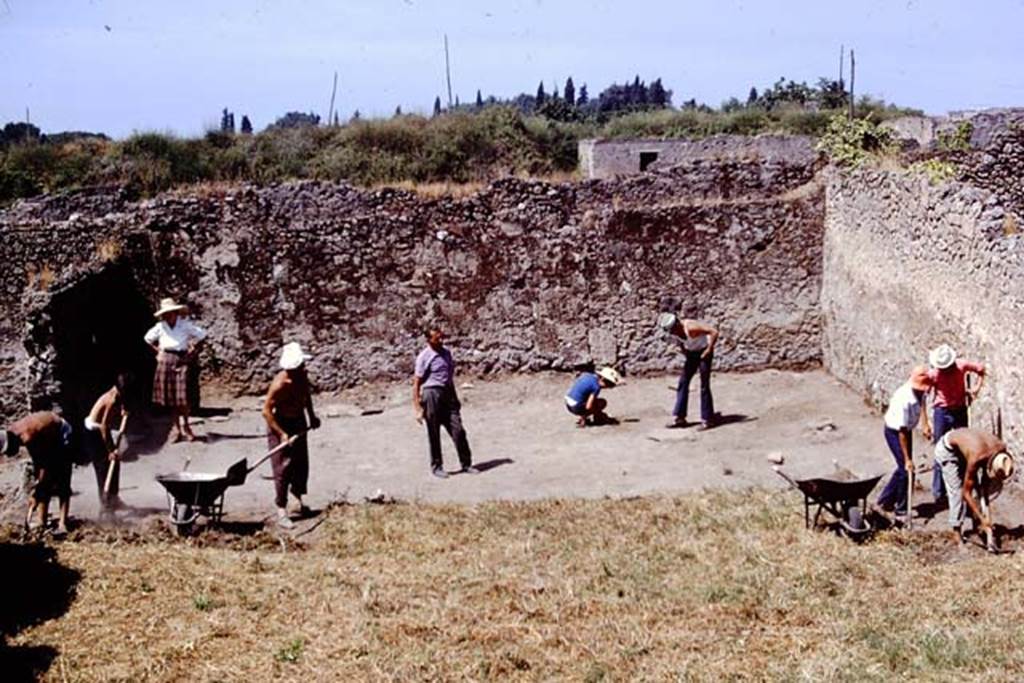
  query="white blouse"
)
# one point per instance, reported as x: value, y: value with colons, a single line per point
x: 175, y: 338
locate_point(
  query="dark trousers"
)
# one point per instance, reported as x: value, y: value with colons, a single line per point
x: 944, y: 420
x: 441, y: 409
x: 97, y: 451
x: 694, y: 364
x: 894, y: 494
x: 291, y: 464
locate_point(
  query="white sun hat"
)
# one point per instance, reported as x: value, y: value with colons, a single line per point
x: 292, y: 356
x: 1002, y: 464
x: 942, y: 356
x: 667, y: 321
x: 169, y: 305
x: 610, y: 375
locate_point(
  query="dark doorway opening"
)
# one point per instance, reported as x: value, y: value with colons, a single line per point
x: 646, y: 159
x: 97, y: 327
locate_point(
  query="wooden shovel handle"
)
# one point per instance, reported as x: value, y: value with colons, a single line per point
x: 116, y: 463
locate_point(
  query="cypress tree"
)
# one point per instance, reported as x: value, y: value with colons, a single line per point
x: 437, y: 106
x: 570, y: 92
x: 246, y: 125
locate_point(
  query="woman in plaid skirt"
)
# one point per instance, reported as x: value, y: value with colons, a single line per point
x: 176, y: 341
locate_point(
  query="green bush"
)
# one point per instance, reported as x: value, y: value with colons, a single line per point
x: 850, y: 142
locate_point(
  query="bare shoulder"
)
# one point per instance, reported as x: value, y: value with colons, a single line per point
x: 279, y: 382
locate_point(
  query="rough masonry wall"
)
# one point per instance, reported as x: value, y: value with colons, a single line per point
x: 611, y: 158
x: 525, y: 275
x: 909, y: 265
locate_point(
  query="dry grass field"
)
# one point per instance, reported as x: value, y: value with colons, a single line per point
x: 713, y: 586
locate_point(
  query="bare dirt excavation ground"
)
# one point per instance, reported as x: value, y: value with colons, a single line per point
x: 527, y: 446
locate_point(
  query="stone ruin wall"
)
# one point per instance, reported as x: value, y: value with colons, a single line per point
x: 909, y: 265
x: 526, y: 275
x: 612, y: 158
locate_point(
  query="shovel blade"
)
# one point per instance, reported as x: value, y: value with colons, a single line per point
x: 237, y: 472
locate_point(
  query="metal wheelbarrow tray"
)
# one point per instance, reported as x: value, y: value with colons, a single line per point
x: 194, y: 494
x: 844, y: 500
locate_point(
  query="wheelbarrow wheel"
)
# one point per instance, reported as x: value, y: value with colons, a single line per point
x: 853, y: 525
x: 183, y: 519
x: 855, y: 519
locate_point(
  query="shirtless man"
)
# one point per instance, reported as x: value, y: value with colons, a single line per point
x: 288, y: 402
x: 47, y: 438
x: 697, y: 340
x: 963, y: 454
x: 100, y: 442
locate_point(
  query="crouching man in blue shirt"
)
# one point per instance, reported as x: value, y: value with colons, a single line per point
x: 582, y: 399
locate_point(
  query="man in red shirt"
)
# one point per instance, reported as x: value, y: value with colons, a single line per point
x: 948, y: 376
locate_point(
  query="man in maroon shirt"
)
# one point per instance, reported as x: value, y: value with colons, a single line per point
x: 948, y: 376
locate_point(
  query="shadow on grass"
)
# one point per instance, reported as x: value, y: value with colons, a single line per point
x: 38, y: 588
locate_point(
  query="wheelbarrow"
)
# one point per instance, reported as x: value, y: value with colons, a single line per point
x: 191, y: 495
x: 844, y: 500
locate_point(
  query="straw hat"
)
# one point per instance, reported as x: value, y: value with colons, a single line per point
x: 919, y: 379
x: 667, y: 321
x: 610, y: 375
x: 942, y: 357
x: 292, y: 356
x: 169, y: 305
x: 1002, y: 465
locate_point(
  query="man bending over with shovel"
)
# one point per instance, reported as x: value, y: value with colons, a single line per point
x: 289, y: 400
x: 971, y: 460
x: 47, y: 438
x: 100, y: 442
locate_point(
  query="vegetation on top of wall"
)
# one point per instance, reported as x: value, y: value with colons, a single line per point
x: 937, y: 170
x: 469, y: 144
x: 956, y: 140
x: 849, y: 142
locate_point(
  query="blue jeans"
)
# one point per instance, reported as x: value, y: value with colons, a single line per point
x: 894, y: 494
x: 944, y: 420
x: 694, y: 364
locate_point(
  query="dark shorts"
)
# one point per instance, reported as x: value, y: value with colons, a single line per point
x: 580, y: 409
x: 52, y: 475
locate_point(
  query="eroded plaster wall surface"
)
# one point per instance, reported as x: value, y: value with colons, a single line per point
x: 908, y: 265
x: 525, y: 275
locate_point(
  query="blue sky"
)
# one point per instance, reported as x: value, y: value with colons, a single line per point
x: 122, y: 65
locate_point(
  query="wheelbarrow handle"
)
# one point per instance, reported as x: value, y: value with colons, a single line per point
x: 792, y: 482
x: 279, y: 447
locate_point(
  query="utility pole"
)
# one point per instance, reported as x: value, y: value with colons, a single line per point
x: 853, y: 71
x: 448, y: 70
x: 842, y: 49
x: 334, y: 90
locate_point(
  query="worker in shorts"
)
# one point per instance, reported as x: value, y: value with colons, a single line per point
x: 583, y: 399
x: 47, y: 438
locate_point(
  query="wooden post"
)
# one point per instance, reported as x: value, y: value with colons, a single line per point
x: 853, y: 71
x: 448, y: 71
x: 334, y: 90
x: 842, y: 50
